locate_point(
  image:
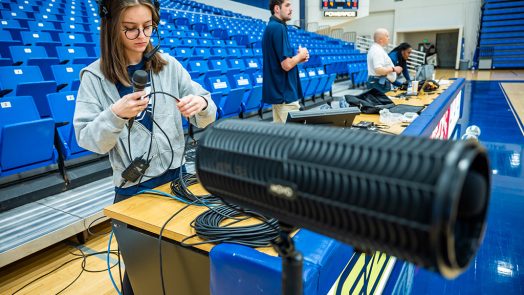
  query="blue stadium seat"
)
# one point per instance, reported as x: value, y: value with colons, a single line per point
x: 205, y: 43
x: 75, y: 55
x: 246, y: 52
x: 43, y: 26
x: 182, y: 53
x: 304, y: 80
x: 218, y: 53
x: 253, y: 95
x: 170, y: 42
x: 323, y: 80
x: 218, y: 64
x: 228, y: 100
x: 199, y: 66
x: 67, y: 77
x: 41, y: 39
x: 200, y: 27
x: 236, y: 63
x: 219, y: 43
x: 200, y: 53
x: 4, y: 61
x: 5, y: 42
x: 34, y: 56
x: 28, y: 80
x: 78, y: 40
x: 26, y: 141
x: 189, y: 42
x: 313, y: 82
x: 13, y: 26
x: 21, y: 16
x: 178, y: 34
x: 62, y: 107
x: 193, y: 35
x: 252, y: 65
x: 234, y: 52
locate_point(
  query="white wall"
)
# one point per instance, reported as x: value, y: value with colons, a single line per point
x: 422, y: 15
x: 367, y: 25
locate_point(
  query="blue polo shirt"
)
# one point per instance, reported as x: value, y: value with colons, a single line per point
x: 278, y: 85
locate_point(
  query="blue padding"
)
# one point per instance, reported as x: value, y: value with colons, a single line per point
x: 62, y: 106
x: 38, y: 90
x: 238, y: 269
x: 429, y: 119
x: 26, y: 143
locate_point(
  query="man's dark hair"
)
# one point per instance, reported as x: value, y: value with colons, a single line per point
x: 272, y: 4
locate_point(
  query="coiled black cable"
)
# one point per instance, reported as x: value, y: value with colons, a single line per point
x: 208, y: 227
x: 179, y: 188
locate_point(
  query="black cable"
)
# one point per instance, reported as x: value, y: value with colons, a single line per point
x: 208, y: 227
x: 91, y: 224
x: 148, y: 160
x: 120, y: 271
x: 83, y: 256
x: 170, y: 148
x: 160, y: 245
x: 179, y: 188
x: 165, y: 93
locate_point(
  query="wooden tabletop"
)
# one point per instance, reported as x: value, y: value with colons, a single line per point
x: 420, y: 100
x: 150, y: 212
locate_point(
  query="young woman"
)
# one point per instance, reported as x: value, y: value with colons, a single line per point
x: 399, y: 56
x: 106, y: 101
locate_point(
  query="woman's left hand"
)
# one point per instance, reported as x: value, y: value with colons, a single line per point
x: 191, y: 105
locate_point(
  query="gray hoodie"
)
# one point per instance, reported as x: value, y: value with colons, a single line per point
x: 99, y: 130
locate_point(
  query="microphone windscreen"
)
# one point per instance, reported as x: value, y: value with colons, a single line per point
x: 418, y: 199
x: 139, y: 80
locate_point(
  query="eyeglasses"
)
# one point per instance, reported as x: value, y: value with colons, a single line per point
x: 132, y: 34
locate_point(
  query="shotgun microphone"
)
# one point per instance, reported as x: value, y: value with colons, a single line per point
x: 422, y: 200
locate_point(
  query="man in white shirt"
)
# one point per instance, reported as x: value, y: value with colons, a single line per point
x: 381, y: 70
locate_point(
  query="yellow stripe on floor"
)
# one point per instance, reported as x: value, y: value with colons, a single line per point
x: 354, y: 281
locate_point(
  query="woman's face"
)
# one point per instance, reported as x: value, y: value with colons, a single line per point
x: 136, y: 30
x: 406, y: 53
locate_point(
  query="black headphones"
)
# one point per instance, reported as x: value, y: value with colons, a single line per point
x: 103, y: 11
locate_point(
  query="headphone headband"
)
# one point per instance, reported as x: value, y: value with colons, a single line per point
x: 103, y: 10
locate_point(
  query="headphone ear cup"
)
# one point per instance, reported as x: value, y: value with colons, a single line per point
x: 156, y: 3
x: 102, y: 9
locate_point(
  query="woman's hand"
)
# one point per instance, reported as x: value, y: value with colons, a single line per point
x: 130, y: 105
x: 191, y: 105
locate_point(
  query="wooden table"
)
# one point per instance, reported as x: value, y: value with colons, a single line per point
x: 419, y: 100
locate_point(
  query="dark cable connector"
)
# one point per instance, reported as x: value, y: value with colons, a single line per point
x: 136, y: 169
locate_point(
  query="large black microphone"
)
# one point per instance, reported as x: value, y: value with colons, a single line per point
x: 139, y: 81
x: 418, y: 199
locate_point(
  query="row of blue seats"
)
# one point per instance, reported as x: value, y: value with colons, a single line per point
x: 205, y: 53
x: 315, y: 81
x: 28, y: 141
x: 28, y: 80
x: 358, y: 73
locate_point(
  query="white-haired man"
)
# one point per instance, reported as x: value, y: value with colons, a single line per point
x: 381, y: 70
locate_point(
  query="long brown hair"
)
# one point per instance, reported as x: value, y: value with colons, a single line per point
x: 113, y: 61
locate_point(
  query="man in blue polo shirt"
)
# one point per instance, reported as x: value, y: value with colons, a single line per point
x: 281, y: 86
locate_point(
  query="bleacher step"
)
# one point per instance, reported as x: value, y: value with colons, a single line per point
x: 32, y: 227
x: 37, y: 188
